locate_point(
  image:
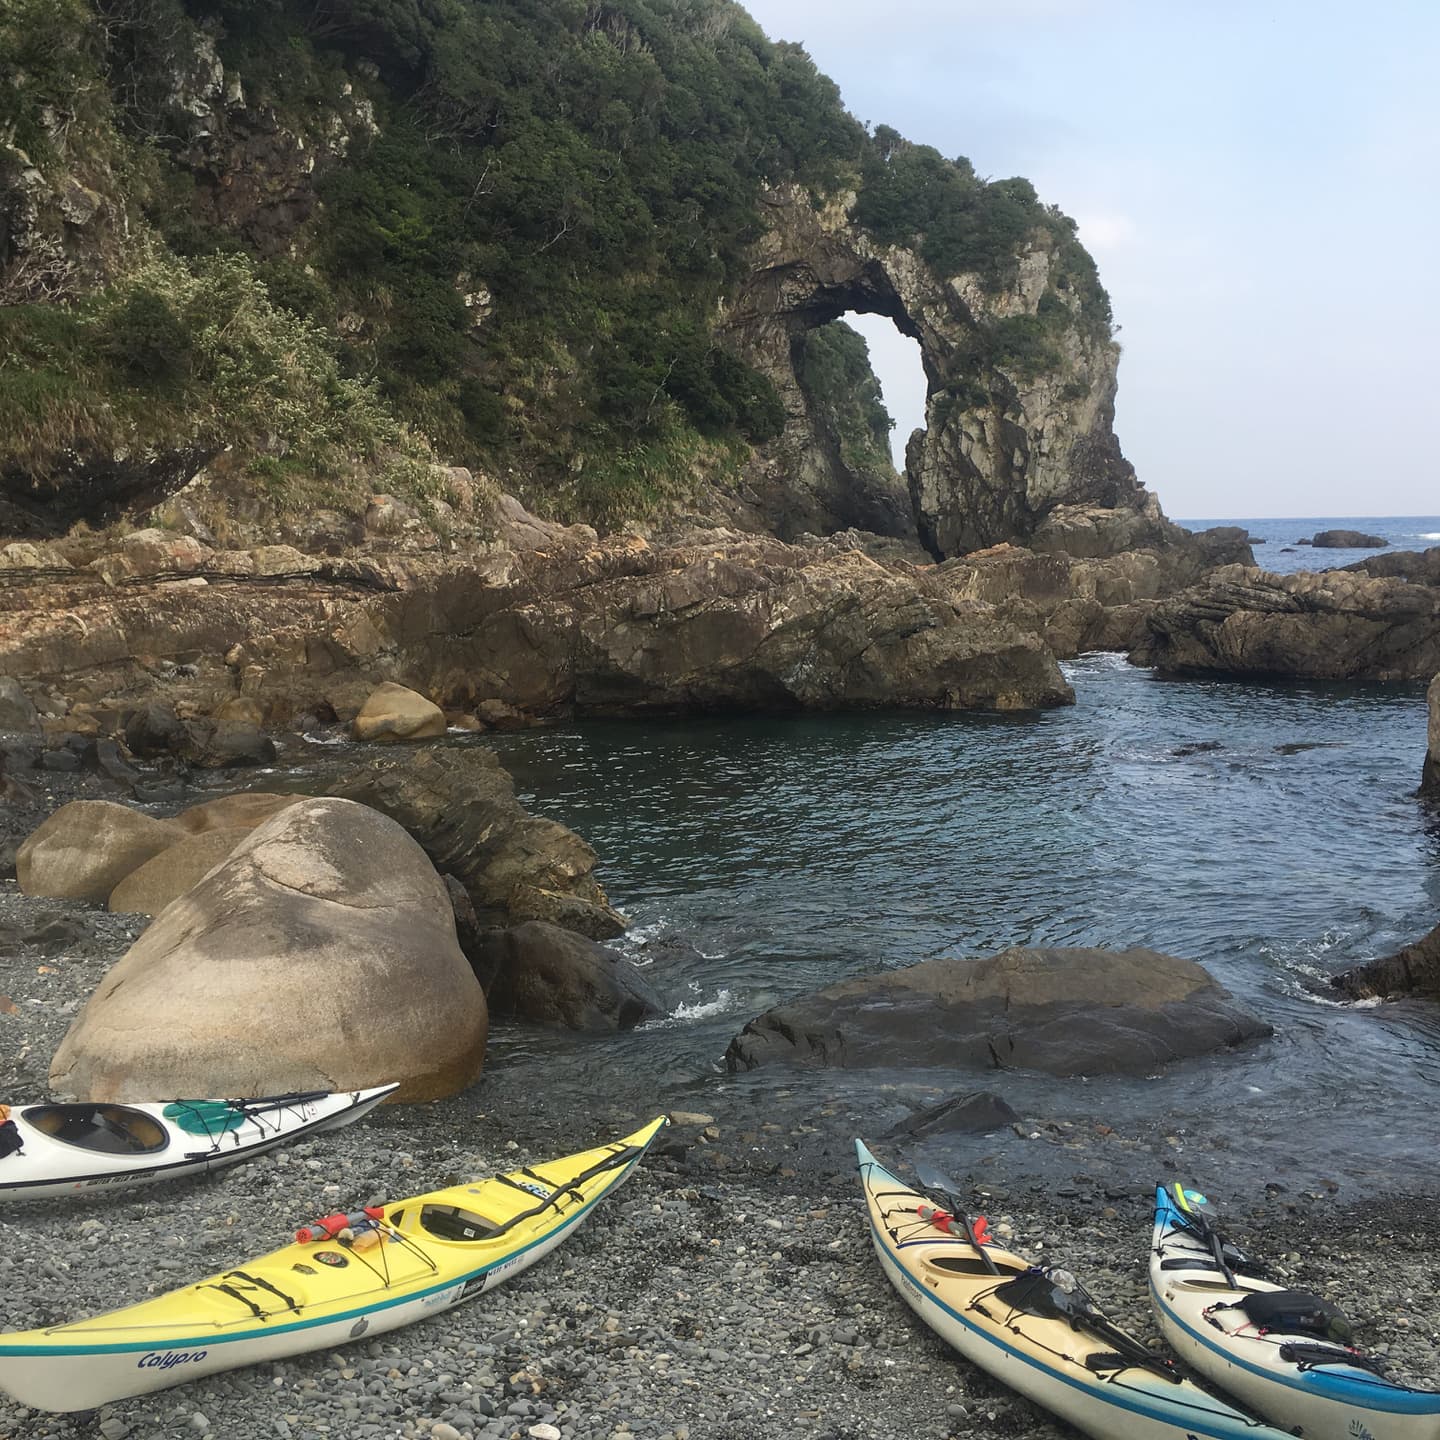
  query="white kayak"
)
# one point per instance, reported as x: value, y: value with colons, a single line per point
x: 1284, y: 1352
x: 69, y: 1149
x: 1035, y: 1328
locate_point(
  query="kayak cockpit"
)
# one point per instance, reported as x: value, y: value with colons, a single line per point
x: 447, y: 1222
x: 104, y: 1129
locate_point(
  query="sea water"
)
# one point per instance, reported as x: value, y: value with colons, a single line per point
x: 1271, y: 832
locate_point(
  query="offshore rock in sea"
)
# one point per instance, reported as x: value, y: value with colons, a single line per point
x: 1066, y: 1011
x: 1321, y: 625
x: 320, y: 956
x: 1347, y: 540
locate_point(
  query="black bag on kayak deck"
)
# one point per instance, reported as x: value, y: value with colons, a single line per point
x: 10, y: 1139
x: 1296, y: 1312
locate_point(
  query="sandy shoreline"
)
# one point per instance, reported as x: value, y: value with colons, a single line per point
x: 717, y: 1296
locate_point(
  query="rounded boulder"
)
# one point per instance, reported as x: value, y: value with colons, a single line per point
x: 395, y: 712
x: 86, y: 848
x: 168, y: 875
x: 321, y: 955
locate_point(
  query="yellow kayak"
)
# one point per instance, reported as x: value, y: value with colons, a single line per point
x: 383, y: 1269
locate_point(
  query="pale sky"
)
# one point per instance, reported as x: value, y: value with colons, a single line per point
x: 1260, y: 185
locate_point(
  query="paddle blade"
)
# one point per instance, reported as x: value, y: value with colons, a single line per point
x: 936, y: 1180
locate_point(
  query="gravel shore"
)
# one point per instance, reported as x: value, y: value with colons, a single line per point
x: 717, y: 1296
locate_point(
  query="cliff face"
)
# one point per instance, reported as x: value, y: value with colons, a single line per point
x: 536, y: 268
x: 1006, y: 440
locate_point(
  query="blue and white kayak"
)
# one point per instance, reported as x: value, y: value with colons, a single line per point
x: 1286, y: 1353
x: 68, y: 1149
x: 1034, y: 1327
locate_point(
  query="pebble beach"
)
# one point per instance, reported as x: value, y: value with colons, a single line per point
x: 722, y: 1293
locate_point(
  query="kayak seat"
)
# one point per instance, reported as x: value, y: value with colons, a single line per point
x: 450, y: 1222
x: 965, y: 1265
x: 104, y: 1129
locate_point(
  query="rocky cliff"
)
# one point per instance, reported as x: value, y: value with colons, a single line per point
x: 582, y: 246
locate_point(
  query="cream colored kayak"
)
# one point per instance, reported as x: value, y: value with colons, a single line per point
x: 71, y: 1149
x: 1284, y: 1352
x: 1035, y: 1329
x: 423, y: 1256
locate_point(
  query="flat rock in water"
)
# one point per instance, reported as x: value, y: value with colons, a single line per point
x: 1066, y: 1011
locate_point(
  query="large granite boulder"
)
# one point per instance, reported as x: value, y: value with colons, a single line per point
x: 461, y: 806
x: 550, y: 976
x: 320, y: 956
x: 1415, y: 970
x: 148, y: 889
x: 86, y: 848
x: 1067, y: 1011
x: 243, y: 810
x: 395, y: 712
x: 1325, y: 625
x: 1430, y: 774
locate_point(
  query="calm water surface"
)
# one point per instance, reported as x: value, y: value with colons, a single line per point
x: 761, y: 858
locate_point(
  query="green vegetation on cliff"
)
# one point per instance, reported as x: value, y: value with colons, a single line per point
x: 505, y: 229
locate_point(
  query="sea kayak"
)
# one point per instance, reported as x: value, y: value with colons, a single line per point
x: 1286, y: 1353
x: 69, y: 1149
x: 376, y: 1271
x: 1034, y: 1327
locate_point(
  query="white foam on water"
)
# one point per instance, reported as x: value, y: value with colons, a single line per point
x: 1428, y: 535
x: 312, y: 739
x: 687, y: 1013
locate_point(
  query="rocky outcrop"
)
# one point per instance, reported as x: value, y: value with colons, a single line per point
x: 1346, y: 540
x: 1063, y: 1011
x: 1430, y: 775
x: 723, y: 622
x: 461, y: 807
x: 549, y: 976
x: 1421, y: 567
x: 395, y: 712
x: 1005, y: 442
x: 1415, y: 970
x: 1087, y: 603
x: 320, y: 956
x: 1328, y: 625
x: 86, y: 848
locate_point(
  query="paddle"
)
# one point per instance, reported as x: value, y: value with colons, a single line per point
x: 942, y: 1184
x: 1200, y: 1223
